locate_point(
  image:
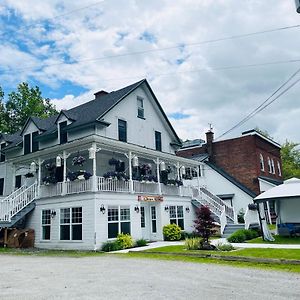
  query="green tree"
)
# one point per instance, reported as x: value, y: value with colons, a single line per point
x: 2, y: 112
x: 290, y: 157
x: 25, y: 102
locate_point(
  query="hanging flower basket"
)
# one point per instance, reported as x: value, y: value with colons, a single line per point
x: 29, y: 175
x: 49, y: 166
x: 113, y: 161
x: 49, y: 180
x: 78, y: 160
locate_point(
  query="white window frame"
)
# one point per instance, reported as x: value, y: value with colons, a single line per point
x: 262, y: 163
x: 45, y: 224
x: 153, y: 212
x: 174, y: 214
x: 273, y: 166
x: 279, y: 168
x: 269, y: 165
x: 140, y: 108
x: 119, y: 220
x: 71, y: 223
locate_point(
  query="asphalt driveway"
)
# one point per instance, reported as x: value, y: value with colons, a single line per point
x: 112, y: 277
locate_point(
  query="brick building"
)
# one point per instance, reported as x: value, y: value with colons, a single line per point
x: 252, y: 159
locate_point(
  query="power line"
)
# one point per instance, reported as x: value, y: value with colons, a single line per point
x: 265, y: 103
x: 158, y: 49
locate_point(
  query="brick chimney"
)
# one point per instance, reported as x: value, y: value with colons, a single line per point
x: 100, y: 94
x: 209, y: 142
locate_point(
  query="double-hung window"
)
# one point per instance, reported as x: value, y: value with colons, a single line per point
x: 118, y: 220
x: 46, y: 224
x: 272, y: 166
x: 63, y: 135
x: 71, y: 224
x: 158, y: 140
x: 27, y: 143
x: 261, y: 160
x: 269, y: 165
x: 140, y: 107
x: 2, y: 155
x: 278, y: 168
x: 176, y: 215
x: 122, y: 130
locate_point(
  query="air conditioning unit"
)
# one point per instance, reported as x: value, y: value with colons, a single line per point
x: 297, y: 6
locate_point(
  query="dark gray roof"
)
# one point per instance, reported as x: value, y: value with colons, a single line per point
x: 192, y: 143
x: 271, y: 180
x: 90, y: 112
x: 231, y: 179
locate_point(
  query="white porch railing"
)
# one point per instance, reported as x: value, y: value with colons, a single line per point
x: 186, y: 191
x: 145, y: 187
x: 112, y: 185
x: 51, y: 190
x: 78, y: 186
x: 171, y: 190
x: 16, y: 201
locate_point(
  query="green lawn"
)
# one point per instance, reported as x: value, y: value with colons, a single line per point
x: 264, y: 266
x: 42, y: 252
x: 278, y: 240
x: 262, y: 253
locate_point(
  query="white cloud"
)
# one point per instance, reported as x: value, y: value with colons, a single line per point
x: 218, y: 97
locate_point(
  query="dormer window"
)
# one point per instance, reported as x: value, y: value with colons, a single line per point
x: 63, y: 135
x: 2, y: 155
x: 30, y: 142
x: 261, y: 160
x: 140, y: 107
x: 27, y: 143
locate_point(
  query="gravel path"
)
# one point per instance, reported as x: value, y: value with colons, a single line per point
x: 111, y: 277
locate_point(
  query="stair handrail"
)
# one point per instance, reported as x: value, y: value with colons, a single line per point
x: 15, y: 204
x: 18, y: 191
x: 223, y: 220
x: 215, y: 201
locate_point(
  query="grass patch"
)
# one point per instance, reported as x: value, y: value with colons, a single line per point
x: 263, y: 266
x: 278, y: 240
x: 255, y: 252
x: 44, y: 252
x: 272, y: 226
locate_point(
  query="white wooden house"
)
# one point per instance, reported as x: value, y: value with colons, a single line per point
x: 107, y: 166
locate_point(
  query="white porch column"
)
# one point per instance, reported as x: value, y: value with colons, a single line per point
x: 39, y: 179
x: 130, y: 172
x: 178, y: 177
x: 94, y: 182
x: 158, y: 175
x: 64, y: 186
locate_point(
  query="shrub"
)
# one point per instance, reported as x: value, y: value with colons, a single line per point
x: 187, y: 235
x: 224, y: 247
x: 111, y: 246
x: 141, y: 243
x: 237, y: 237
x: 171, y: 232
x: 125, y: 240
x: 250, y: 234
x: 204, y: 224
x: 242, y: 235
x: 193, y: 243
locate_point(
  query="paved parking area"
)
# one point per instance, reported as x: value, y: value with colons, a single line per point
x: 114, y: 277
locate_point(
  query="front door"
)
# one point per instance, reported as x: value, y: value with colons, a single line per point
x: 149, y: 221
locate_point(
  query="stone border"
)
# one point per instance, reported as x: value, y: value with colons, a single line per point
x: 228, y: 258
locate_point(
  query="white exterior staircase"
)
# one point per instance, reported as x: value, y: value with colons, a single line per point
x: 222, y: 213
x: 17, y: 205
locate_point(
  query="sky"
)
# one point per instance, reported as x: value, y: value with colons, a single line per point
x: 71, y: 49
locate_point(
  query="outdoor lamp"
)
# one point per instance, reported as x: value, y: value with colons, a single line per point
x: 53, y: 213
x: 162, y: 166
x: 137, y: 209
x: 166, y: 208
x: 102, y: 209
x: 92, y: 153
x: 58, y: 161
x: 187, y: 209
x: 32, y: 167
x: 135, y: 161
x: 297, y: 6
x: 182, y: 169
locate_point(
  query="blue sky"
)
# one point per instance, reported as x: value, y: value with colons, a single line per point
x: 71, y: 50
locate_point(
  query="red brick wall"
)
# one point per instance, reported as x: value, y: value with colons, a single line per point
x: 240, y: 157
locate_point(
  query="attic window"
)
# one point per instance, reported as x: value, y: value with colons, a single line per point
x: 63, y: 135
x: 2, y: 155
x: 140, y: 106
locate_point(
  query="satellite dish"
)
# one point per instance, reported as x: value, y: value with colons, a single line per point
x: 297, y: 6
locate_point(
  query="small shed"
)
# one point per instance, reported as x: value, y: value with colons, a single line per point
x: 287, y: 205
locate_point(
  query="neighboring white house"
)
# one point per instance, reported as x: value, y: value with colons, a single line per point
x: 287, y: 205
